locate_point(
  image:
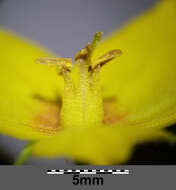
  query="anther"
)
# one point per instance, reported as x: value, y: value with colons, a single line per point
x: 84, y: 53
x: 63, y: 64
x: 99, y: 62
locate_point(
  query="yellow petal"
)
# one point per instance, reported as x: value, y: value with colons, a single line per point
x: 101, y: 146
x: 143, y: 78
x: 21, y: 80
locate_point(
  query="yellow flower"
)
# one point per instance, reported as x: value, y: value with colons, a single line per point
x: 101, y: 112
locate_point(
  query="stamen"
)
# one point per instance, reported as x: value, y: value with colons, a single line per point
x: 84, y: 53
x: 63, y: 64
x: 105, y: 58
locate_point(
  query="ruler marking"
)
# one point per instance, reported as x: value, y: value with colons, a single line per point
x: 69, y: 171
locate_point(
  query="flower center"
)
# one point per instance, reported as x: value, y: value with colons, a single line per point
x: 82, y: 104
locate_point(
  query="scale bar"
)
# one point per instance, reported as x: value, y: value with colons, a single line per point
x: 61, y: 172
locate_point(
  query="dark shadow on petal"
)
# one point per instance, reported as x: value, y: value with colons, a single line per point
x: 5, y: 158
x: 172, y: 129
x: 154, y: 153
x: 57, y: 100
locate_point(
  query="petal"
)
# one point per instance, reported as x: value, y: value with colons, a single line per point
x: 143, y: 78
x: 21, y: 80
x: 105, y: 145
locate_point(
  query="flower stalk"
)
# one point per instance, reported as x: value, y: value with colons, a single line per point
x: 25, y: 154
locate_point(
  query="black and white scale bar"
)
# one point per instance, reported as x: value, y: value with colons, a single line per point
x: 55, y: 172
